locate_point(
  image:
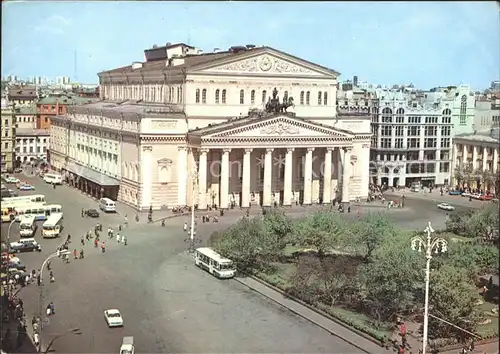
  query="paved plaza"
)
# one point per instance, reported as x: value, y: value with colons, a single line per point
x: 167, y: 303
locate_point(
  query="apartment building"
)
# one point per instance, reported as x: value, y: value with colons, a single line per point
x: 31, y: 144
x: 56, y: 104
x: 7, y: 138
x: 25, y: 117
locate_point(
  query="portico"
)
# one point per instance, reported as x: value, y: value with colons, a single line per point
x: 279, y: 159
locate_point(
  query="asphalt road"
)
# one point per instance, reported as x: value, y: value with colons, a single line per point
x: 168, y: 304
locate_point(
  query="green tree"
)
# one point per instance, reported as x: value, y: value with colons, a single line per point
x: 280, y: 225
x: 370, y: 232
x: 452, y: 299
x: 457, y: 222
x: 484, y: 223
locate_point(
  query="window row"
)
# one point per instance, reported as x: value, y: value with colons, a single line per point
x: 42, y: 149
x: 147, y: 93
x: 31, y: 141
x: 220, y: 97
x: 23, y: 120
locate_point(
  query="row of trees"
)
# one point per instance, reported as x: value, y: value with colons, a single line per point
x: 479, y: 224
x: 465, y: 174
x: 365, y: 265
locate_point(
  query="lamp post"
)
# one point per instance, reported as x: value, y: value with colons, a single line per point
x: 40, y: 296
x: 8, y: 230
x: 429, y: 244
x: 75, y: 331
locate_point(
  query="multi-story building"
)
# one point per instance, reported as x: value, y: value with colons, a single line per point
x: 475, y: 160
x: 7, y: 138
x: 189, y: 128
x: 56, y: 104
x: 31, y: 145
x: 86, y: 92
x: 25, y: 117
x: 412, y: 134
x: 22, y: 96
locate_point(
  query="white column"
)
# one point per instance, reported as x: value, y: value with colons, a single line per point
x: 308, y: 177
x: 268, y: 175
x: 146, y: 171
x: 340, y: 170
x: 454, y: 157
x: 327, y: 177
x: 464, y: 154
x: 245, y: 179
x: 495, y: 160
x: 224, y: 179
x: 346, y: 175
x: 287, y: 185
x: 485, y: 159
x: 474, y: 158
x: 202, y: 179
x: 182, y: 176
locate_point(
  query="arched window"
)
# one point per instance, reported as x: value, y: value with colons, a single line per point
x: 242, y: 96
x: 386, y: 115
x: 325, y: 98
x: 320, y: 98
x: 252, y: 97
x: 224, y: 96
x: 302, y: 97
x: 204, y: 96
x: 264, y: 96
x: 217, y: 96
x: 197, y: 95
x: 308, y: 98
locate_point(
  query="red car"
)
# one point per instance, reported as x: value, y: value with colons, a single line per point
x: 486, y: 197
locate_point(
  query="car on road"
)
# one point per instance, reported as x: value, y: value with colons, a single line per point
x: 113, y: 318
x: 25, y: 245
x: 486, y: 197
x: 446, y: 206
x: 27, y: 187
x: 454, y: 192
x: 11, y: 179
x: 18, y: 170
x: 93, y: 213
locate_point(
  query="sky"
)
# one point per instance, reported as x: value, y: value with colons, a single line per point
x: 427, y: 44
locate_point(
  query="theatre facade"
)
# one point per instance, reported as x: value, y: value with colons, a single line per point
x: 248, y: 126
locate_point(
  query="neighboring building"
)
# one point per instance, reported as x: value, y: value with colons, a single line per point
x: 7, y: 139
x: 412, y: 134
x: 475, y: 160
x: 495, y: 86
x: 22, y: 96
x: 86, y: 92
x: 25, y: 117
x: 31, y: 144
x: 56, y: 104
x: 181, y: 108
x: 487, y: 115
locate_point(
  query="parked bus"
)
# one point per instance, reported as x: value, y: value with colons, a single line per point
x: 35, y: 198
x: 27, y: 227
x: 220, y: 267
x: 53, y: 226
x: 41, y: 212
x: 107, y: 205
x: 8, y: 214
x: 52, y: 178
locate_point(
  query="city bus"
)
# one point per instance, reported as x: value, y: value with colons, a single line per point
x: 220, y: 267
x: 27, y: 227
x: 53, y: 226
x: 8, y: 214
x: 35, y: 198
x: 41, y: 212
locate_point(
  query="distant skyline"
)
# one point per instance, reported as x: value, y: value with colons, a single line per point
x: 428, y: 44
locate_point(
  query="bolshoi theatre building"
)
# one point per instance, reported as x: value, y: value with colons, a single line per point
x: 244, y: 127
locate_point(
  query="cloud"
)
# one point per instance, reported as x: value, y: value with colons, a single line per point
x: 54, y: 24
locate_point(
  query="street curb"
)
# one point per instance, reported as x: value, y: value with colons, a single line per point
x: 319, y: 312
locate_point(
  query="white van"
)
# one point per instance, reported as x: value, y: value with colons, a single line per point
x: 53, y: 226
x: 52, y: 178
x: 107, y: 205
x: 27, y: 227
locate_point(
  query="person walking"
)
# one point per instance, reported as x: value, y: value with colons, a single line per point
x: 185, y: 227
x: 118, y: 237
x: 82, y: 241
x: 103, y: 247
x: 96, y: 243
x: 75, y: 253
x: 124, y: 239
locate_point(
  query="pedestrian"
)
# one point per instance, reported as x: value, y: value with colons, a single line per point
x: 52, y: 309
x: 49, y: 264
x: 124, y: 239
x: 82, y: 241
x: 96, y: 243
x: 75, y: 253
x: 103, y: 247
x: 185, y: 227
x: 118, y: 237
x: 83, y: 213
x: 54, y: 185
x: 81, y: 254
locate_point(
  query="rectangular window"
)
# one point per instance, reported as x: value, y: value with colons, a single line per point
x: 430, y: 142
x: 445, y: 131
x: 386, y: 143
x: 399, y: 131
x: 414, y: 143
x: 445, y: 142
x: 399, y: 143
x: 414, y: 130
x: 430, y: 130
x: 386, y: 131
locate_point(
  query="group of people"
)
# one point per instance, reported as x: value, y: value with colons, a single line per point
x: 15, y: 310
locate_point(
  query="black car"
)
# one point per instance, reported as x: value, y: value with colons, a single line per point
x: 25, y: 247
x: 93, y: 213
x: 18, y: 266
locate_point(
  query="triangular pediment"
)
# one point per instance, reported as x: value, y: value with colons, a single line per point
x: 279, y: 126
x: 266, y: 61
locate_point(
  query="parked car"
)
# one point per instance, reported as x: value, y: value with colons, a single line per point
x: 25, y: 245
x: 11, y: 179
x: 485, y: 197
x: 113, y: 318
x: 27, y: 187
x: 18, y: 266
x: 18, y: 170
x: 454, y: 192
x: 446, y: 206
x: 93, y: 213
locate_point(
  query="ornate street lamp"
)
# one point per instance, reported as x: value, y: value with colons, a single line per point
x: 429, y: 244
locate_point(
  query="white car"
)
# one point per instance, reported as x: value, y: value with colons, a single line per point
x: 446, y: 206
x: 113, y: 318
x: 11, y: 179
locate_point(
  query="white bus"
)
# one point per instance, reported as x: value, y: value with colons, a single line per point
x: 52, y: 178
x: 27, y: 227
x: 41, y: 212
x: 13, y: 201
x: 53, y: 226
x: 220, y: 267
x: 107, y: 205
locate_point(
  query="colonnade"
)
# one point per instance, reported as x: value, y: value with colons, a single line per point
x: 267, y: 193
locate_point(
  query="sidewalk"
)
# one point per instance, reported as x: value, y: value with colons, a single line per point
x: 314, y: 317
